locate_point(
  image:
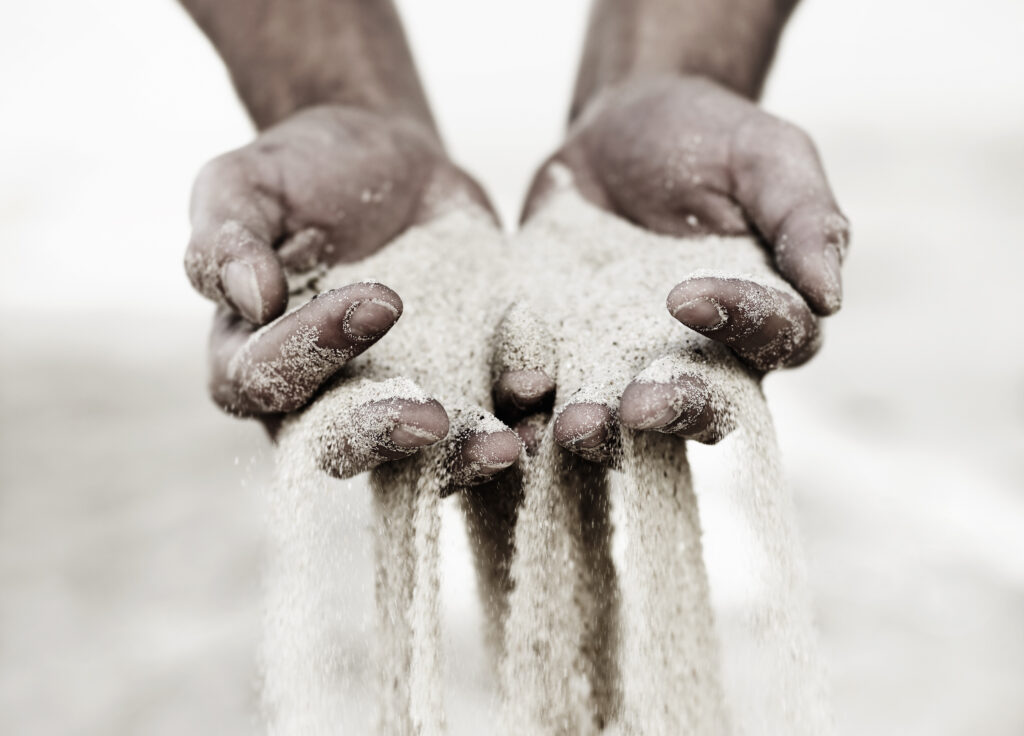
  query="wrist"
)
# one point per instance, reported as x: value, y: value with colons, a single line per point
x: 731, y: 42
x: 284, y: 56
x: 272, y: 93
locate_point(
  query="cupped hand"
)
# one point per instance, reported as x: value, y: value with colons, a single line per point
x: 614, y: 357
x: 686, y: 157
x: 326, y: 186
x: 450, y: 272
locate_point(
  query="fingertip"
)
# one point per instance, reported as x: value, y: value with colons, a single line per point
x: 379, y: 292
x: 523, y: 390
x: 286, y: 363
x: 583, y: 426
x: 369, y: 319
x: 663, y: 406
x: 648, y: 405
x: 352, y: 318
x: 419, y: 424
x: 257, y: 294
x: 809, y: 254
x: 239, y: 268
x: 703, y: 313
x: 486, y: 453
x: 698, y: 304
x: 817, y: 278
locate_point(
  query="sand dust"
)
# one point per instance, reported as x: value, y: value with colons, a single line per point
x: 588, y: 293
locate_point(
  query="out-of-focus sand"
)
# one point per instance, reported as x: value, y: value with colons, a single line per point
x: 130, y: 537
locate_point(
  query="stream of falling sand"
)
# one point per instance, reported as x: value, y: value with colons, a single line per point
x: 773, y: 670
x: 560, y: 671
x: 672, y: 674
x: 407, y: 497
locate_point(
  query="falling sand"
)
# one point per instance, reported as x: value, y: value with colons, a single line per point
x: 580, y: 646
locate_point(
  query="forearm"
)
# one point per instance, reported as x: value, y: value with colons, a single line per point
x: 284, y: 55
x: 730, y: 41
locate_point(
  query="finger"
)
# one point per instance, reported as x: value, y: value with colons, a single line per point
x: 531, y: 430
x: 588, y: 429
x: 522, y: 392
x: 280, y: 367
x: 780, y: 182
x: 359, y: 432
x: 681, y: 405
x: 230, y: 257
x: 766, y: 327
x: 381, y: 431
x: 481, y: 446
x: 522, y: 364
x: 418, y: 424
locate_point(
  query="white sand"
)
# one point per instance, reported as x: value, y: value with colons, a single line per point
x: 672, y: 674
x: 587, y: 290
x: 406, y: 500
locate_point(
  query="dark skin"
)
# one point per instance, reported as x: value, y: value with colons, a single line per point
x: 347, y: 158
x: 665, y: 132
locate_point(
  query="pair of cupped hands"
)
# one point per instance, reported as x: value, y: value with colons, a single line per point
x: 680, y: 156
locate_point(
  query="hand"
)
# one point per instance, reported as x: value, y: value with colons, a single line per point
x: 683, y: 156
x: 612, y: 352
x: 451, y: 272
x: 328, y: 185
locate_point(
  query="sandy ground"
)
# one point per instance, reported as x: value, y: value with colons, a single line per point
x: 130, y: 538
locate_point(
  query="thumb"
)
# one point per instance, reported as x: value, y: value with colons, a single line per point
x: 230, y: 257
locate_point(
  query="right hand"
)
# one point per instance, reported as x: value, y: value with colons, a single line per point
x: 327, y: 185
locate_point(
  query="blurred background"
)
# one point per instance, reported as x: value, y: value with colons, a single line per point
x: 130, y: 527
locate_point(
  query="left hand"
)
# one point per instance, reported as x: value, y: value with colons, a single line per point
x: 684, y: 156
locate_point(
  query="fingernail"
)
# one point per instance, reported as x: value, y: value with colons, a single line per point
x: 409, y: 436
x: 833, y: 292
x: 489, y: 467
x: 369, y: 318
x: 528, y: 387
x: 238, y: 279
x: 589, y: 440
x: 702, y: 313
x: 665, y: 417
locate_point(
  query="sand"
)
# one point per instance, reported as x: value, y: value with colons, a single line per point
x: 580, y: 294
x: 672, y: 678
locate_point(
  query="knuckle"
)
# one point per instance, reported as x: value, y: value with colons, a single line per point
x: 793, y: 133
x: 216, y: 169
